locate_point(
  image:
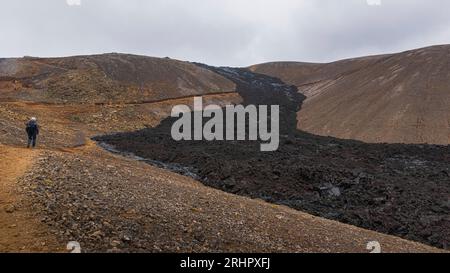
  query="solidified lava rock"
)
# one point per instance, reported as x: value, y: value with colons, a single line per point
x: 401, y: 190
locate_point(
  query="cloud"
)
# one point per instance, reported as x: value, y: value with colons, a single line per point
x: 225, y: 32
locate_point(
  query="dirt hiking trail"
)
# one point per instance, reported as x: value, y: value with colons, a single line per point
x: 19, y: 230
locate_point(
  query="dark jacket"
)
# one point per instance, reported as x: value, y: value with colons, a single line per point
x: 32, y: 128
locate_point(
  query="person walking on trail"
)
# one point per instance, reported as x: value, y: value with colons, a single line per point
x: 32, y: 131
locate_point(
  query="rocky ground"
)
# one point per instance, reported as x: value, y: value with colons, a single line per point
x: 20, y: 231
x: 110, y: 203
x: 68, y: 189
x: 403, y: 190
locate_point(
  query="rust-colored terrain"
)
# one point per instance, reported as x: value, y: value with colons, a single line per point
x: 396, y: 98
x: 69, y: 189
x: 106, y: 93
x: 103, y: 79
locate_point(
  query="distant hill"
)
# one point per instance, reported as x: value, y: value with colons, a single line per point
x: 396, y: 98
x: 107, y: 78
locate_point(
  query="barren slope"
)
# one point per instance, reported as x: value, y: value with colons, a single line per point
x: 398, y: 98
x: 76, y: 191
x: 107, y: 78
x: 111, y: 203
x: 114, y: 204
x: 397, y: 189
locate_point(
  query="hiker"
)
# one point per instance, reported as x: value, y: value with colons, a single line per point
x: 32, y: 131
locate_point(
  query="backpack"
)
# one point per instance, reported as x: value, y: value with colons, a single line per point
x: 31, y: 127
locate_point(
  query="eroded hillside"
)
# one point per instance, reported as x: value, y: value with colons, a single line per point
x: 397, y: 98
x: 71, y: 189
x: 107, y: 78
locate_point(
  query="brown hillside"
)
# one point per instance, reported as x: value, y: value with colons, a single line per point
x: 107, y: 78
x: 398, y: 98
x: 70, y: 189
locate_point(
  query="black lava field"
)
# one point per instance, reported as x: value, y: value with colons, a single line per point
x: 402, y: 190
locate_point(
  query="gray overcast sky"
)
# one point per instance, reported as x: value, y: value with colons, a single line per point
x: 222, y: 32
